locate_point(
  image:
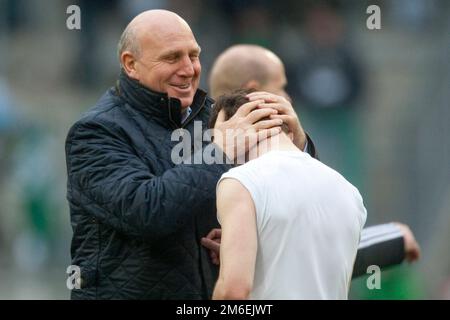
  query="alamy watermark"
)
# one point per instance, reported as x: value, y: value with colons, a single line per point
x: 374, y: 20
x: 73, y: 21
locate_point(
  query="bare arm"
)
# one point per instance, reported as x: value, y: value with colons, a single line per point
x: 239, y: 241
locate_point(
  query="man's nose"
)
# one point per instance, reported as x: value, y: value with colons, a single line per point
x: 187, y: 68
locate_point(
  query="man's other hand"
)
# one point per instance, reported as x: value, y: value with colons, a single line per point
x: 412, y: 248
x: 212, y: 242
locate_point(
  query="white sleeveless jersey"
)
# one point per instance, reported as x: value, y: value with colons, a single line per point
x: 309, y: 220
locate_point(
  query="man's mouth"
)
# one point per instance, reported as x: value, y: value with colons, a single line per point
x: 182, y: 86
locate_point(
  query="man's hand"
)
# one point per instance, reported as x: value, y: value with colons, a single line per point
x: 412, y: 248
x: 243, y: 130
x: 285, y: 112
x: 212, y: 242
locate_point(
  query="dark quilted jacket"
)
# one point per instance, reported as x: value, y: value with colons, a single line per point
x: 138, y: 218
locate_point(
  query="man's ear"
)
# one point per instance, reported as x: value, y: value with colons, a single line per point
x: 129, y: 64
x: 252, y: 84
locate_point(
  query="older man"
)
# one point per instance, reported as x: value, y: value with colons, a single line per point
x: 138, y: 218
x: 254, y: 67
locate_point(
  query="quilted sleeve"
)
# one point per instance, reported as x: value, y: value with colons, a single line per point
x: 111, y: 183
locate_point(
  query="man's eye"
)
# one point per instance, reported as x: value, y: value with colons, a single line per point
x: 173, y: 58
x: 194, y: 55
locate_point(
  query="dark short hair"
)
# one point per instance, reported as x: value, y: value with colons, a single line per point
x: 230, y: 103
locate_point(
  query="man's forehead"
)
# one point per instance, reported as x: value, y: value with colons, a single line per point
x: 163, y: 39
x: 169, y: 48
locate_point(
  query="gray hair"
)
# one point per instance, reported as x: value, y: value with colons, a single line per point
x: 128, y: 42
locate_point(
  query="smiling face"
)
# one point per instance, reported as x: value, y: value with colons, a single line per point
x: 172, y: 66
x: 275, y: 80
x: 168, y: 59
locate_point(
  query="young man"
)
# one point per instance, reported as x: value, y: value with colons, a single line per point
x: 279, y: 213
x: 245, y: 66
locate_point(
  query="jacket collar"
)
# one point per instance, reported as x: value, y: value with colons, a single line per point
x: 154, y: 104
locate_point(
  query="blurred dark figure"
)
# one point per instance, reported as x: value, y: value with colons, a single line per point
x: 327, y: 81
x: 8, y: 137
x: 327, y: 75
x: 14, y: 13
x: 86, y: 67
